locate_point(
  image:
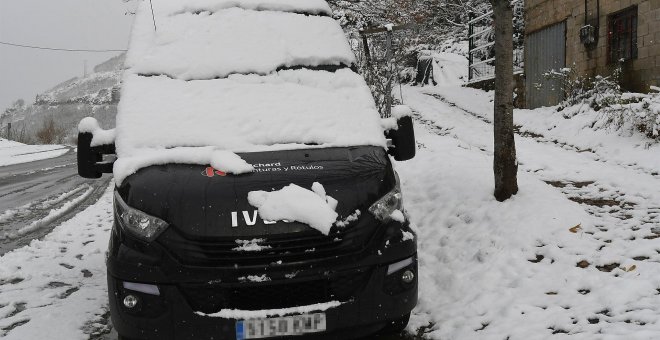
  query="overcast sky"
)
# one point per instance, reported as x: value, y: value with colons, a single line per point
x: 73, y: 24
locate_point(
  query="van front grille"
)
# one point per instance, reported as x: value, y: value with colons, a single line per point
x: 211, y: 298
x: 286, y: 248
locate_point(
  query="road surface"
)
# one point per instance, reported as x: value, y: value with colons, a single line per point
x: 36, y: 196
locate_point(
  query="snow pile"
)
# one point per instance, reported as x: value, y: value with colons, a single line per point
x: 100, y: 136
x: 206, y: 46
x: 293, y: 203
x: 450, y: 68
x: 14, y: 152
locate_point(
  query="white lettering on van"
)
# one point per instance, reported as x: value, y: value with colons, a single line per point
x: 249, y: 220
x: 234, y: 219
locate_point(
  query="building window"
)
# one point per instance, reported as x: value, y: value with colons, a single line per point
x: 622, y: 35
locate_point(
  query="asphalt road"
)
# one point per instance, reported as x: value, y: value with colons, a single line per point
x: 36, y: 196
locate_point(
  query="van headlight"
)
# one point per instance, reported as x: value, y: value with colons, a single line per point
x: 384, y: 207
x: 138, y: 223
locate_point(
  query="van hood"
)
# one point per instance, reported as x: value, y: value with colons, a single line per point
x: 200, y: 202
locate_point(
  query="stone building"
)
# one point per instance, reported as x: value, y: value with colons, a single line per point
x: 591, y: 37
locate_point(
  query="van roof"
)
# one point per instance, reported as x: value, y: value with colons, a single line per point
x: 206, y: 39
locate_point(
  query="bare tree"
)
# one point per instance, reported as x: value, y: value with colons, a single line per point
x: 505, y: 165
x: 50, y: 132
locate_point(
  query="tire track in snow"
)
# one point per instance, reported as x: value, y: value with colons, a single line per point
x: 38, y: 195
x: 58, y: 282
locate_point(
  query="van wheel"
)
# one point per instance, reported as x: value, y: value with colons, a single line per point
x: 396, y: 326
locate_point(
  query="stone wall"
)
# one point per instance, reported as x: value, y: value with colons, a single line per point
x: 640, y: 73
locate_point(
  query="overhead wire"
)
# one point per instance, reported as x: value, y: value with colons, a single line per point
x: 61, y: 49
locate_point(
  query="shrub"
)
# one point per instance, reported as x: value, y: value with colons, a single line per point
x: 622, y: 111
x: 50, y: 133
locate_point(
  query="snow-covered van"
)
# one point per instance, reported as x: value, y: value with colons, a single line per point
x: 255, y: 195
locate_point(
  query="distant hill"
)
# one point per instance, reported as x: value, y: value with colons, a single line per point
x: 64, y: 105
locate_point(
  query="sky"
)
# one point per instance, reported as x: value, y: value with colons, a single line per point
x: 72, y: 24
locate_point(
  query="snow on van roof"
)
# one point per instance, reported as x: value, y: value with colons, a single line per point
x: 289, y: 109
x: 212, y: 77
x: 233, y: 39
x: 314, y: 7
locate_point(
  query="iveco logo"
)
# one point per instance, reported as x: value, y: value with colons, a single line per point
x: 247, y: 218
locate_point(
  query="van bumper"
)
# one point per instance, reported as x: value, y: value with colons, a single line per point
x: 169, y: 316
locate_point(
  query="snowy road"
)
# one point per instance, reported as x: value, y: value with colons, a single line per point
x: 35, y: 196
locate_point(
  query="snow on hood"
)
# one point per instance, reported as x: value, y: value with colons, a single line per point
x: 294, y: 203
x: 209, y: 45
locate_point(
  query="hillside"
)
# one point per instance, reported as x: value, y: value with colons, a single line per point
x: 95, y: 95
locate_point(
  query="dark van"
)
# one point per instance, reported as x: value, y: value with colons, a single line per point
x: 190, y: 257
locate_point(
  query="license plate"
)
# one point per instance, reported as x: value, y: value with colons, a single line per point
x: 282, y: 326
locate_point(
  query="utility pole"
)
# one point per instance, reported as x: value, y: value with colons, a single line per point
x: 505, y: 164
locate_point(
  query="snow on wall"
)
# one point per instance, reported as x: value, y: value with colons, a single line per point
x: 209, y: 45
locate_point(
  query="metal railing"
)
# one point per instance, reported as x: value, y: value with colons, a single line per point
x: 481, y: 42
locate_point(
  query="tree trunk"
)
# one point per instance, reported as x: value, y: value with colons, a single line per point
x: 505, y: 165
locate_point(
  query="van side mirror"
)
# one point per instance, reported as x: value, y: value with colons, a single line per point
x: 90, y: 154
x: 404, y: 146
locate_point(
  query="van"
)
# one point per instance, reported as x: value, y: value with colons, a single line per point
x: 255, y: 195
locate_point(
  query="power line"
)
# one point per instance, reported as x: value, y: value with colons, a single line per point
x: 59, y: 49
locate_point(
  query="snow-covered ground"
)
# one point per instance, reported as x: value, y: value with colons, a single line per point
x: 575, y: 253
x: 58, y: 283
x: 14, y: 153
